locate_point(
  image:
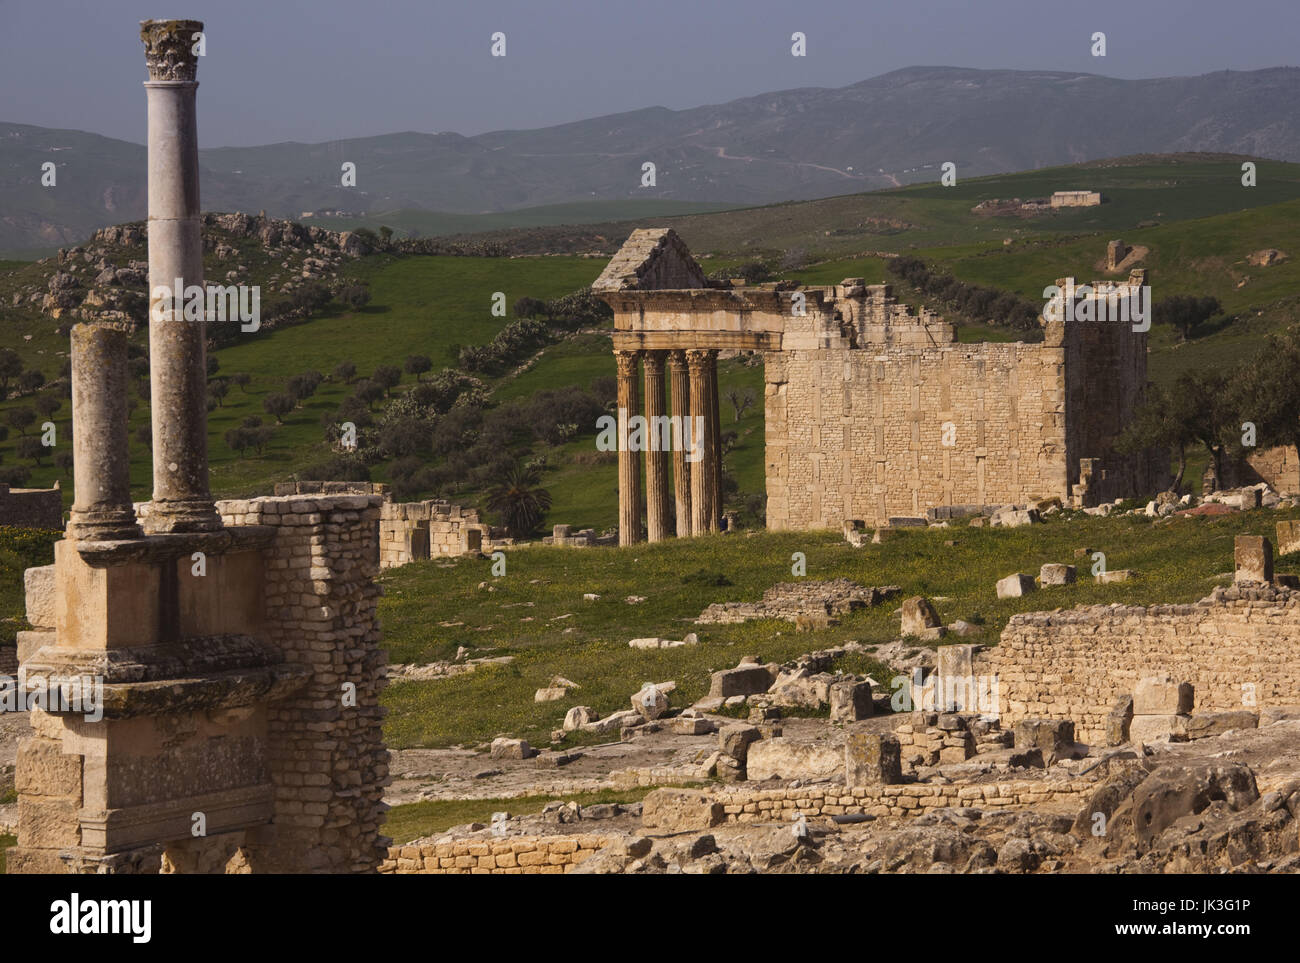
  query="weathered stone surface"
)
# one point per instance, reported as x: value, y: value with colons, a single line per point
x: 650, y: 702
x: 1254, y: 558
x: 872, y: 757
x: 1118, y: 575
x: 1204, y: 725
x: 1015, y: 585
x: 1055, y: 737
x: 742, y: 680
x: 579, y: 716
x: 1014, y: 518
x: 38, y: 584
x: 735, y: 740
x: 1057, y: 574
x: 1288, y: 537
x: 1159, y: 728
x: 918, y: 616
x: 503, y: 748
x: 1160, y: 695
x: 1172, y: 792
x: 680, y: 810
x: 850, y: 701
x: 551, y: 694
x: 1119, y: 721
x: 783, y: 759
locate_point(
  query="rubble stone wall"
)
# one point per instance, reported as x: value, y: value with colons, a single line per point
x: 325, y: 748
x: 31, y: 507
x: 1075, y: 664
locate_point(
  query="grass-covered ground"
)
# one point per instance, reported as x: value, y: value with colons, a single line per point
x: 20, y: 549
x: 415, y: 820
x: 537, y: 614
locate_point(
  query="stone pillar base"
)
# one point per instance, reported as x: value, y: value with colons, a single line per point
x: 109, y: 525
x: 181, y: 515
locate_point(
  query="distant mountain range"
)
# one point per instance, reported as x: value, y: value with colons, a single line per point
x: 792, y: 144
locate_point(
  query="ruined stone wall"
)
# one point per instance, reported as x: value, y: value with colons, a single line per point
x: 1075, y: 664
x: 513, y: 856
x: 325, y: 745
x: 858, y: 433
x: 31, y: 507
x: 414, y: 530
x: 1278, y: 466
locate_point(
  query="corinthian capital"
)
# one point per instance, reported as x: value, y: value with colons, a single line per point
x: 169, y: 48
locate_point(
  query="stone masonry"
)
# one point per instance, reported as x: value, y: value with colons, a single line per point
x: 31, y: 507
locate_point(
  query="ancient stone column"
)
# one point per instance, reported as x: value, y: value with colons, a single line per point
x: 629, y: 460
x: 177, y: 366
x: 658, y: 502
x: 101, y: 462
x: 714, y: 439
x: 681, y: 395
x: 704, y: 402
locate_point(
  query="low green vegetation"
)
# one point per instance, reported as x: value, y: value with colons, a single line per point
x: 536, y: 612
x: 20, y: 549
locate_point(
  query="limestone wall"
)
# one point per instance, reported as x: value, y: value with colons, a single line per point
x: 325, y: 745
x: 513, y: 856
x: 1278, y: 466
x: 859, y: 434
x: 1075, y: 664
x: 31, y: 507
x: 409, y: 531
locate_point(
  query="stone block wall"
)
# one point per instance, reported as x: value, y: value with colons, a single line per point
x: 31, y: 507
x: 1278, y: 466
x: 325, y: 748
x: 859, y: 434
x: 409, y: 531
x: 512, y: 856
x: 1240, y: 644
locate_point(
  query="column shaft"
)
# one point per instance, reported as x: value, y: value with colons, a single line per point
x: 182, y: 501
x: 101, y: 461
x: 681, y: 395
x: 629, y: 461
x: 704, y: 467
x: 658, y: 502
x: 715, y: 441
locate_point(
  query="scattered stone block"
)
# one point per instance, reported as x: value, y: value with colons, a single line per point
x: 1160, y: 695
x: 1014, y: 518
x: 781, y: 759
x: 872, y: 758
x: 850, y: 701
x: 919, y: 615
x: 579, y: 716
x: 1056, y: 574
x: 1118, y: 575
x: 1254, y: 557
x: 651, y: 702
x: 680, y: 810
x: 551, y: 694
x: 741, y: 681
x: 1119, y: 720
x: 39, y: 589
x: 1288, y: 538
x: 963, y: 629
x: 1161, y: 728
x: 735, y: 739
x: 1015, y: 585
x: 1054, y: 737
x: 1205, y: 725
x: 503, y: 748
x: 692, y: 726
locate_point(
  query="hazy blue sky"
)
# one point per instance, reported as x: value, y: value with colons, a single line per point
x: 317, y: 70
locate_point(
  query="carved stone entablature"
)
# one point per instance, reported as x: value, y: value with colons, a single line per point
x: 169, y: 48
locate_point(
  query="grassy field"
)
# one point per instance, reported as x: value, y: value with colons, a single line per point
x: 537, y: 614
x: 20, y: 549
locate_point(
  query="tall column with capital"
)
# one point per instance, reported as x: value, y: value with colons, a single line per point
x: 629, y: 460
x: 681, y: 401
x: 704, y: 402
x: 658, y: 503
x: 715, y: 440
x: 182, y: 501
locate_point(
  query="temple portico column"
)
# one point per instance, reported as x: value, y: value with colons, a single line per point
x: 714, y: 438
x: 658, y: 503
x: 101, y: 461
x: 629, y: 460
x: 182, y: 501
x: 681, y: 394
x: 704, y: 402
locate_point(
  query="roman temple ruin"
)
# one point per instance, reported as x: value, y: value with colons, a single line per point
x: 872, y: 412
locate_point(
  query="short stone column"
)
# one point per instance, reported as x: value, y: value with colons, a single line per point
x: 629, y: 460
x: 101, y: 461
x: 704, y: 404
x: 681, y: 402
x: 177, y: 365
x: 658, y: 503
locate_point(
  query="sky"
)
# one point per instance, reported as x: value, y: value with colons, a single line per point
x: 322, y: 70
